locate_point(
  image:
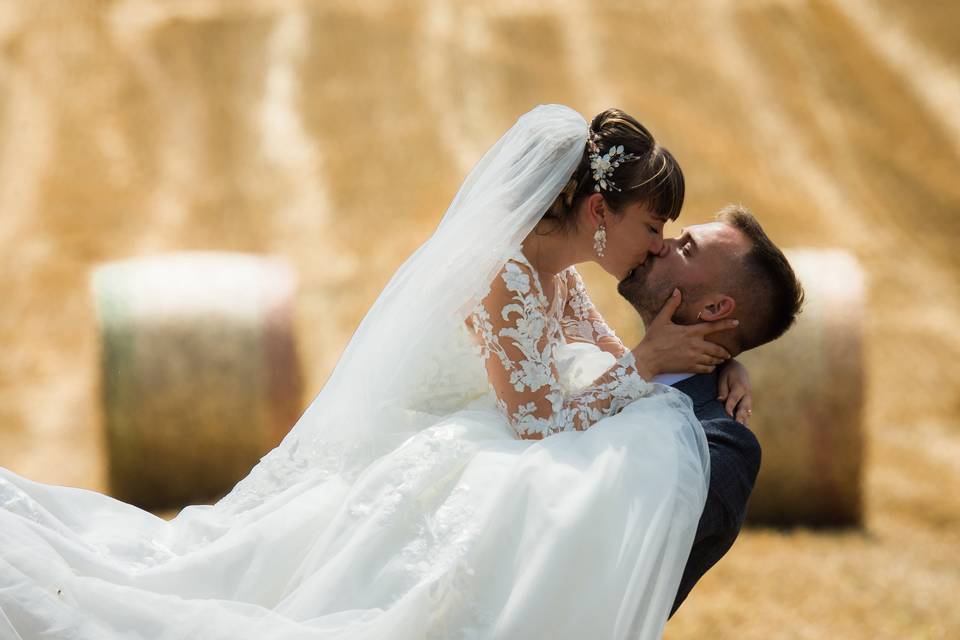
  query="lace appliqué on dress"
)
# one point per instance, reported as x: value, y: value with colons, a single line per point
x: 520, y: 334
x: 581, y: 322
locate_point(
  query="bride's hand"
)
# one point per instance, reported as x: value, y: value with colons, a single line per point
x: 733, y: 390
x: 676, y: 348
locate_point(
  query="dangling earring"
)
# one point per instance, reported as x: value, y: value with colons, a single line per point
x: 600, y: 240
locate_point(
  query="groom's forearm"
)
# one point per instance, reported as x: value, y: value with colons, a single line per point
x: 734, y: 464
x: 711, y: 545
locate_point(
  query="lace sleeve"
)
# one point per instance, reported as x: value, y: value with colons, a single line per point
x: 518, y: 344
x: 582, y: 322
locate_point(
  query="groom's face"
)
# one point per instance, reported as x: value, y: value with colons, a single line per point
x: 697, y: 262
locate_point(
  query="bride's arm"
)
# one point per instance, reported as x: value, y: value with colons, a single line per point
x: 582, y: 322
x: 521, y: 362
x: 733, y: 390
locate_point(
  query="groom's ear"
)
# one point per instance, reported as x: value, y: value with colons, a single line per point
x: 717, y: 307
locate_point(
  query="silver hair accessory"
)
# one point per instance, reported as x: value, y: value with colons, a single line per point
x: 604, y: 166
x: 600, y: 239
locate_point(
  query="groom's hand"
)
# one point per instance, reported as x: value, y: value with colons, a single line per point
x: 674, y: 348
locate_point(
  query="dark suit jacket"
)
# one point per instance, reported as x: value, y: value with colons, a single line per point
x: 734, y: 463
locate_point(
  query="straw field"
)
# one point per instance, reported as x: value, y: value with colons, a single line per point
x: 334, y: 134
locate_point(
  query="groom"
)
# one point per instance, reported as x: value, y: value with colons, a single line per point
x: 724, y: 269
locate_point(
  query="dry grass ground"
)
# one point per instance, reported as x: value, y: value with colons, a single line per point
x: 334, y: 135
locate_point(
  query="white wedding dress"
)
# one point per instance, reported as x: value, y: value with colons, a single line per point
x: 403, y: 504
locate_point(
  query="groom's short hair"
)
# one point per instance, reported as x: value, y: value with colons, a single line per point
x: 764, y: 286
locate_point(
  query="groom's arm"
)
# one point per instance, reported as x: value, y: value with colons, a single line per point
x: 734, y: 463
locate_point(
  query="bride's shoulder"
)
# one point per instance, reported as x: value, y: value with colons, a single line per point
x: 515, y: 279
x: 516, y: 275
x: 517, y: 257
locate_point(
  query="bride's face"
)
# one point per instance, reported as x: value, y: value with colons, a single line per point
x: 634, y: 234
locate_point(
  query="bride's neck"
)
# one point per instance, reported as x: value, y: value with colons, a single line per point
x: 551, y: 253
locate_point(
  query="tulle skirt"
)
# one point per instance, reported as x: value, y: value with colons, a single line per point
x: 461, y: 531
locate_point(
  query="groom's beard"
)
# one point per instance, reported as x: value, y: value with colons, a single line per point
x: 649, y: 288
x: 639, y: 292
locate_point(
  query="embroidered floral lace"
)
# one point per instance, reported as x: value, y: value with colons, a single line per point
x: 520, y: 333
x: 581, y: 322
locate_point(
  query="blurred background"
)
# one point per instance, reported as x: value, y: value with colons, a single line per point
x: 334, y: 134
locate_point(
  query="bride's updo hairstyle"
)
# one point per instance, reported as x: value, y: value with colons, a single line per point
x: 653, y: 177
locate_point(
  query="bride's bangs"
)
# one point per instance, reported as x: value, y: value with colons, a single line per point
x: 660, y: 184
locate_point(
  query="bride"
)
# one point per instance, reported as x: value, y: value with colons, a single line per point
x: 418, y: 497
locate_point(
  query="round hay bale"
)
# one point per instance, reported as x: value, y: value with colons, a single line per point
x: 808, y: 401
x: 200, y: 375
